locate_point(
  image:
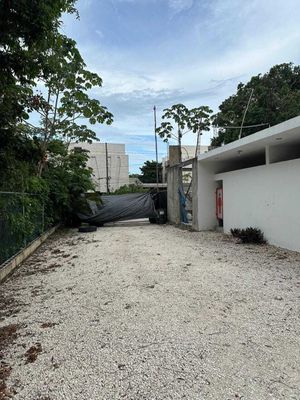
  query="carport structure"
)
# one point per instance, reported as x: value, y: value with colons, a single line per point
x: 259, y: 175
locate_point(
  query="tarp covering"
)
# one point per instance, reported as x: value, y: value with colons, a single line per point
x: 119, y: 207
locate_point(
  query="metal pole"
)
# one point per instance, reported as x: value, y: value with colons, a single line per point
x: 156, y: 153
x: 23, y: 214
x: 107, y: 177
x: 43, y: 217
x: 251, y: 94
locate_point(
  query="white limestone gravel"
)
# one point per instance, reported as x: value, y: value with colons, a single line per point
x: 140, y: 311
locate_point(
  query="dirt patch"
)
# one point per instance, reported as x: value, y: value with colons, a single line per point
x: 8, y: 306
x: 33, y: 352
x: 57, y: 251
x: 48, y: 324
x: 5, y: 371
x: 42, y: 270
x: 8, y: 334
x: 65, y: 255
x: 50, y: 267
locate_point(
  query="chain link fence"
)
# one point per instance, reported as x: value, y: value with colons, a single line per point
x: 22, y: 219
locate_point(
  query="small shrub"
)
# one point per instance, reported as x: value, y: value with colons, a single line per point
x: 235, y: 232
x: 249, y: 235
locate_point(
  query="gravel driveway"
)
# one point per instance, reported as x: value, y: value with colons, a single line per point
x: 140, y: 311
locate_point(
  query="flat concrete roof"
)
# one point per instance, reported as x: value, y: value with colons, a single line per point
x: 285, y: 133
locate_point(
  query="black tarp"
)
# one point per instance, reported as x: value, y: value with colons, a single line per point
x: 119, y: 207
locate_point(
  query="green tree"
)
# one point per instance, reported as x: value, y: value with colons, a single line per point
x: 27, y: 28
x: 33, y: 51
x: 67, y: 177
x: 184, y: 120
x: 148, y: 172
x: 66, y: 103
x: 275, y: 98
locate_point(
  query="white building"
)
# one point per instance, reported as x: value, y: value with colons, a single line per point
x: 260, y: 178
x: 109, y: 163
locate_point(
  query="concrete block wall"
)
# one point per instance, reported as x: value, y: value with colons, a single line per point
x: 173, y: 197
x: 118, y: 164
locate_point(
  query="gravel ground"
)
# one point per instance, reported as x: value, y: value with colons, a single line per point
x: 140, y: 311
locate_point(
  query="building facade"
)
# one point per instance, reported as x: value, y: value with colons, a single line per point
x: 109, y: 163
x: 251, y: 182
x: 258, y: 178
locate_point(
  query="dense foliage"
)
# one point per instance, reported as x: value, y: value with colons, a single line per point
x: 148, y: 172
x: 37, y: 125
x: 275, y: 98
x: 27, y: 29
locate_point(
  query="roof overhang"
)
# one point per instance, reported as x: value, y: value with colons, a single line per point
x: 286, y: 133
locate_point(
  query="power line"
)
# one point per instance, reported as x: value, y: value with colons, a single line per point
x: 238, y: 127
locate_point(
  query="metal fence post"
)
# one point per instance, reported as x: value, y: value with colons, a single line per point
x: 43, y: 217
x: 23, y: 213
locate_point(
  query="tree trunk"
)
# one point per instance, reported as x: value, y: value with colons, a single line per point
x: 180, y: 155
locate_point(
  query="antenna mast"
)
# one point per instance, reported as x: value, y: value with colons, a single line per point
x: 156, y: 153
x: 241, y: 130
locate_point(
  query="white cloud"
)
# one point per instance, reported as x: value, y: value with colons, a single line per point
x: 99, y: 33
x: 228, y: 41
x: 177, y: 6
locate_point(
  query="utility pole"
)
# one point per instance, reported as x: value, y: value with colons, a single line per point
x: 156, y: 153
x: 107, y: 177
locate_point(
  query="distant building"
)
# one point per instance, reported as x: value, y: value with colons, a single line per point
x: 109, y: 163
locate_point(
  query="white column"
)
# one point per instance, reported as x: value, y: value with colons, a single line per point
x: 267, y: 154
x: 206, y: 197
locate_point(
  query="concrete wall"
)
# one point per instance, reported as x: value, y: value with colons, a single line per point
x: 267, y: 197
x: 173, y: 197
x: 118, y: 169
x: 8, y: 267
x: 205, y: 198
x: 195, y: 209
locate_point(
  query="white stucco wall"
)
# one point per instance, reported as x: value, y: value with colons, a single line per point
x: 205, y: 209
x: 267, y: 197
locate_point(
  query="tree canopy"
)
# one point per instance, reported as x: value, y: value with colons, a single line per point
x: 275, y: 98
x: 66, y: 102
x: 27, y: 29
x: 45, y: 102
x: 148, y: 172
x: 178, y: 120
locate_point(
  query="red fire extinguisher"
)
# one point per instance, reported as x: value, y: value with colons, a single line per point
x: 219, y: 203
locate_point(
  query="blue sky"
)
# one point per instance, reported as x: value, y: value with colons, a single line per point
x: 161, y: 52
